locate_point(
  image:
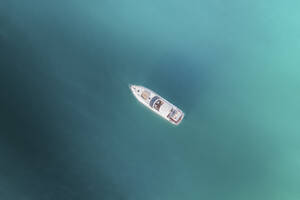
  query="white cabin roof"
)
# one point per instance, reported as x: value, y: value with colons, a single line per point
x: 165, y: 109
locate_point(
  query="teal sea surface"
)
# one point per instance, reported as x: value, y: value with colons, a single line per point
x: 71, y: 129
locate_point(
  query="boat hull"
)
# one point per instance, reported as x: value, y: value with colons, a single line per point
x: 157, y: 104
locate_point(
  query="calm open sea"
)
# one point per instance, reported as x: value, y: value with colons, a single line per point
x: 71, y: 129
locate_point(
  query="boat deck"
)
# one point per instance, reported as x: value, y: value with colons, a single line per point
x: 157, y: 104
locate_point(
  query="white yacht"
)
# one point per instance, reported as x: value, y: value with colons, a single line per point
x: 157, y: 104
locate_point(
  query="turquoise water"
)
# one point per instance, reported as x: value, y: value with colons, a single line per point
x: 70, y: 129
